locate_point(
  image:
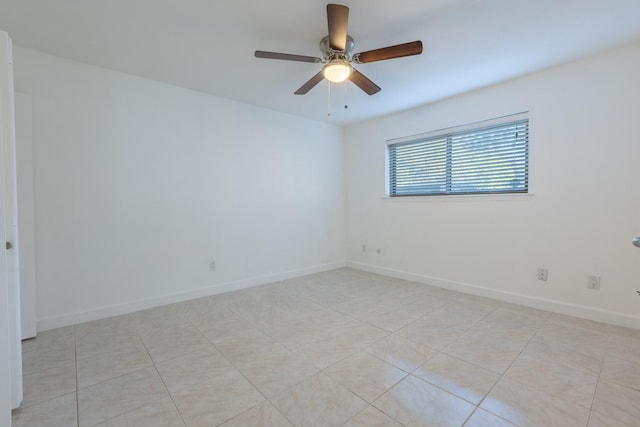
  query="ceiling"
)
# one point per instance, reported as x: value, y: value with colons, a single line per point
x: 208, y: 45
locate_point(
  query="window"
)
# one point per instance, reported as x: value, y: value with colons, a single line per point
x: 483, y: 158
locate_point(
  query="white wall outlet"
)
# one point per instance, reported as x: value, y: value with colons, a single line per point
x: 543, y: 274
x: 593, y: 282
x: 364, y: 248
x: 212, y: 265
x: 379, y: 251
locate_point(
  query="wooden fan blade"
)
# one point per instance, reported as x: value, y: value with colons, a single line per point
x: 338, y: 20
x: 397, y: 51
x: 310, y: 84
x: 286, y: 56
x: 363, y: 82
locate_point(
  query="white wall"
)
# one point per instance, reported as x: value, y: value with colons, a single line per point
x: 584, y: 157
x: 26, y: 223
x: 139, y: 185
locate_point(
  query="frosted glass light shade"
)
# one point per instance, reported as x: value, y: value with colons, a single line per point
x: 337, y: 71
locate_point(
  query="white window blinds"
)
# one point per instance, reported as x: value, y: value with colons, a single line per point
x: 487, y: 159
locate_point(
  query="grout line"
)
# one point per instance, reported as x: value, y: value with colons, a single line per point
x: 162, y: 380
x: 595, y: 391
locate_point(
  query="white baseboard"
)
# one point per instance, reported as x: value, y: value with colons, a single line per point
x: 53, y: 322
x: 585, y: 312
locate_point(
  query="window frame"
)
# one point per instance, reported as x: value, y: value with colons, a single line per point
x: 456, y: 131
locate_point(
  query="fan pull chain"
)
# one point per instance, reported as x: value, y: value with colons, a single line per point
x: 328, y: 98
x: 346, y: 97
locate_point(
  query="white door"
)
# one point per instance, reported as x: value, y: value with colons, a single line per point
x: 5, y: 328
x: 9, y: 279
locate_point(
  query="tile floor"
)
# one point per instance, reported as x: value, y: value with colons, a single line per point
x: 340, y: 348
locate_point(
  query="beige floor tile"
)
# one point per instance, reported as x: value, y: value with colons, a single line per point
x: 417, y: 403
x: 105, y: 340
x: 365, y: 375
x: 186, y: 371
x: 54, y: 338
x: 325, y: 299
x: 481, y: 418
x: 95, y: 369
x: 390, y: 319
x: 356, y: 333
x: 475, y: 302
x: 46, y: 358
x: 426, y: 334
x: 569, y: 346
x: 521, y: 319
x: 326, y: 352
x: 527, y: 406
x: 58, y: 412
x: 573, y: 355
x: 488, y: 355
x: 171, y: 345
x: 326, y: 318
x: 204, y: 313
x: 587, y: 325
x: 462, y: 314
x: 247, y: 346
x: 359, y: 307
x: 166, y: 317
x: 624, y: 347
x: 621, y: 331
x: 422, y: 304
x: 597, y: 420
x: 621, y: 372
x: 111, y: 398
x: 372, y: 417
x: 217, y: 329
x: 508, y: 336
x: 463, y: 379
x: 401, y: 352
x: 573, y: 335
x: 115, y: 323
x: 216, y: 401
x: 560, y: 381
x: 162, y: 413
x: 274, y: 373
x: 318, y: 402
x: 44, y: 385
x: 263, y: 415
x: 617, y: 402
x: 296, y: 334
x: 527, y: 311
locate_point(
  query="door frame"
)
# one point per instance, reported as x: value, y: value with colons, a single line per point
x: 11, y: 353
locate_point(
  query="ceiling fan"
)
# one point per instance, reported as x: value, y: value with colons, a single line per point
x: 337, y: 54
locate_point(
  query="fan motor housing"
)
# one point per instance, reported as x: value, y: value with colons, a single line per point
x: 330, y: 54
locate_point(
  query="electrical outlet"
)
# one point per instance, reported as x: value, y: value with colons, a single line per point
x: 593, y: 282
x: 543, y: 274
x: 379, y: 251
x: 364, y: 248
x: 212, y: 265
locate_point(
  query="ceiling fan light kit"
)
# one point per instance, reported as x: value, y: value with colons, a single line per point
x: 337, y: 70
x: 337, y: 48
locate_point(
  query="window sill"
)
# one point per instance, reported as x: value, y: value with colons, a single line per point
x: 462, y: 198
